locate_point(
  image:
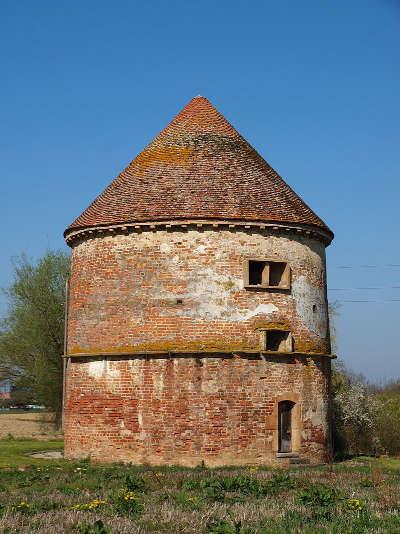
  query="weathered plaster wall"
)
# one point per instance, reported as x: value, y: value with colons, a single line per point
x: 184, y: 291
x: 185, y: 410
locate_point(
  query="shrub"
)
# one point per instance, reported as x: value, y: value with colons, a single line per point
x: 135, y: 483
x: 319, y: 495
x: 217, y: 487
x: 97, y: 527
x: 128, y: 503
x: 214, y: 491
x: 366, y: 417
x: 280, y: 481
x: 193, y: 502
x: 388, y: 420
x: 68, y: 490
x: 190, y: 485
x: 355, y: 415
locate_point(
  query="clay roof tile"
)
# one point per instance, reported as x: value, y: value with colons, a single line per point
x: 198, y: 167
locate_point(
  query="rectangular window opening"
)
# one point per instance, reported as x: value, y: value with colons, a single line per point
x: 268, y: 274
x: 278, y: 341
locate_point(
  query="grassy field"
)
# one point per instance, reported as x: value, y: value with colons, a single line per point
x: 15, y: 452
x: 58, y: 496
x: 37, y: 425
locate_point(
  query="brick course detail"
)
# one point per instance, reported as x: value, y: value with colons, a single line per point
x: 187, y: 410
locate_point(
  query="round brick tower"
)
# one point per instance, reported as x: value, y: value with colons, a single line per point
x: 197, y: 321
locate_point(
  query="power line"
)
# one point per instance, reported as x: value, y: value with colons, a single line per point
x: 362, y: 288
x: 386, y: 266
x: 372, y: 301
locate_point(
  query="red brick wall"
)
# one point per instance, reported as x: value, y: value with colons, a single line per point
x: 124, y: 295
x: 185, y: 410
x: 124, y: 292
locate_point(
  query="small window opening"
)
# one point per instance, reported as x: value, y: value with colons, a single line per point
x: 276, y: 273
x: 179, y: 301
x: 256, y: 269
x: 314, y: 308
x: 278, y: 341
x: 268, y: 274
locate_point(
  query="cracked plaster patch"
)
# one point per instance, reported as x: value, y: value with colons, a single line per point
x: 305, y: 296
x: 262, y: 309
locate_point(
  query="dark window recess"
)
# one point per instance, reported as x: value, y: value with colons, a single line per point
x: 268, y: 274
x: 278, y: 340
x: 277, y: 273
x: 256, y: 269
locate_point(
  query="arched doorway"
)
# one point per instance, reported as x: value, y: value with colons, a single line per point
x: 285, y: 409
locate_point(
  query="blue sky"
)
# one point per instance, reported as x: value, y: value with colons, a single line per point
x: 314, y: 86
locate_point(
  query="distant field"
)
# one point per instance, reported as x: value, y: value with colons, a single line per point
x: 27, y: 424
x: 59, y: 496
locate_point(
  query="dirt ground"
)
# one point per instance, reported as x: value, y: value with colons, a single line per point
x: 27, y: 425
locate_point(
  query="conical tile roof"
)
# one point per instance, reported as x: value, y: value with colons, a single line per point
x: 198, y: 167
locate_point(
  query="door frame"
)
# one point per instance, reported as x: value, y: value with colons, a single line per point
x: 285, y: 407
x: 273, y: 422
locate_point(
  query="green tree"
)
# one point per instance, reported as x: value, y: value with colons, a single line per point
x: 32, y: 331
x: 21, y: 395
x: 388, y: 420
x: 356, y: 413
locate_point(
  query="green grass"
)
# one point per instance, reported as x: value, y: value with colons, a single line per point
x: 14, y: 452
x: 40, y: 496
x: 387, y: 463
